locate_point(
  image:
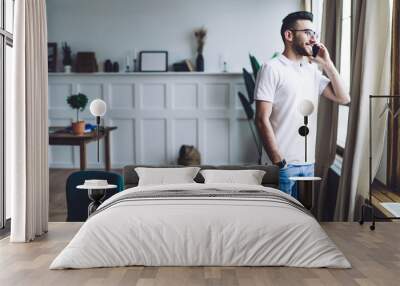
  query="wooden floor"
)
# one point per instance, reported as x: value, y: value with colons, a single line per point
x: 374, y: 255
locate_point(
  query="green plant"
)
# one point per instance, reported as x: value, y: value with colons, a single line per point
x: 78, y: 102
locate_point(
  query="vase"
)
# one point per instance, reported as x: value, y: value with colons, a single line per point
x: 67, y: 69
x: 200, y: 63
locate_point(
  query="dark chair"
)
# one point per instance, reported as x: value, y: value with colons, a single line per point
x: 78, y: 200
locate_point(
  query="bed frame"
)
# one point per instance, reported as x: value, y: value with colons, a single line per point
x: 270, y: 179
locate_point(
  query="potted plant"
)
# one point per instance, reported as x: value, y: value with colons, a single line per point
x: 67, y: 58
x: 78, y: 102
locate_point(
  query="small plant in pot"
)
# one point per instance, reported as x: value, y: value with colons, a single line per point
x: 78, y: 102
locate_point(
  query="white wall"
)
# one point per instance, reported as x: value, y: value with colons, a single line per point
x: 114, y: 29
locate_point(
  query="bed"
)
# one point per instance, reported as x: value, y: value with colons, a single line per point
x: 197, y: 224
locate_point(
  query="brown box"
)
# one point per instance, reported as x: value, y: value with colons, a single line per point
x: 86, y: 62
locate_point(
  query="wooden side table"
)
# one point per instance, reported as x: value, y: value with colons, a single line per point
x: 96, y: 195
x: 60, y: 136
x: 305, y: 190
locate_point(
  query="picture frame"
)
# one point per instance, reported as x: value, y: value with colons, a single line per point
x: 52, y: 57
x: 153, y: 61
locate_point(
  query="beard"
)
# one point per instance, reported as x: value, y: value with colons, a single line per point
x: 299, y: 48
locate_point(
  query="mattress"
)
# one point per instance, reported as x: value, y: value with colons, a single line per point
x: 201, y: 225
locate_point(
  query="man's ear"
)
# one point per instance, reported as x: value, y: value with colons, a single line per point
x: 288, y: 35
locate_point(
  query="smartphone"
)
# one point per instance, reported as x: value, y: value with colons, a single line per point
x: 315, y: 50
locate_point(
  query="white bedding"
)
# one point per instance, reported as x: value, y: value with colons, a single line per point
x: 183, y: 231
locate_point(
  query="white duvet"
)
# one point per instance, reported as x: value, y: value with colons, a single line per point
x: 185, y: 231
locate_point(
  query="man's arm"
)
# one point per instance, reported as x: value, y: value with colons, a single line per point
x: 263, y: 112
x: 335, y: 90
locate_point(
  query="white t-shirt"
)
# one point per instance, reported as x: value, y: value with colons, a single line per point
x: 285, y: 83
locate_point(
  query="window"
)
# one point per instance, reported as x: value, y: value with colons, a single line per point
x: 6, y: 64
x: 345, y: 54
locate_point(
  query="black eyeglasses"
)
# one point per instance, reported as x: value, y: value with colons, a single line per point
x: 309, y: 32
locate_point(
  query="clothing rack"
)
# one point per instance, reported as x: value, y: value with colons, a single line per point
x: 368, y: 204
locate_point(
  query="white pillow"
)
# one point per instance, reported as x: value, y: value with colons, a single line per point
x: 163, y: 176
x: 248, y: 177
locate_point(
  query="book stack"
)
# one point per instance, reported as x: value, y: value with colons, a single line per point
x: 183, y: 66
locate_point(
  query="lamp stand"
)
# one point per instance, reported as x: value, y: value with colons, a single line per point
x: 305, y: 138
x: 303, y: 131
x: 98, y: 139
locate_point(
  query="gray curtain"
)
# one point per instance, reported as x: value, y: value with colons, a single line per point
x: 327, y: 121
x: 344, y: 192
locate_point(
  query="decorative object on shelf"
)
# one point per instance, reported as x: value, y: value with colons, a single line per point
x: 78, y: 102
x: 115, y: 67
x: 189, y: 156
x: 88, y: 128
x: 200, y: 35
x: 153, y: 61
x: 134, y: 66
x: 183, y: 66
x: 128, y: 61
x: 200, y: 63
x: 86, y: 62
x: 108, y: 66
x: 98, y: 108
x: 67, y: 57
x: 247, y: 103
x: 189, y: 64
x: 225, y: 67
x: 305, y: 108
x: 52, y: 57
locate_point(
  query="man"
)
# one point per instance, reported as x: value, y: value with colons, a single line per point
x: 281, y: 85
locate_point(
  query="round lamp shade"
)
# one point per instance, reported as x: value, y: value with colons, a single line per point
x: 98, y: 107
x: 305, y: 107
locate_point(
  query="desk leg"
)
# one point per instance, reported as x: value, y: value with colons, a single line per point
x: 107, y: 151
x: 82, y: 154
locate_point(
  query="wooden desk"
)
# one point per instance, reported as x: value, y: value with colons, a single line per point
x: 60, y: 136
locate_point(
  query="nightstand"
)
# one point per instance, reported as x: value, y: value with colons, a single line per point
x: 306, y: 190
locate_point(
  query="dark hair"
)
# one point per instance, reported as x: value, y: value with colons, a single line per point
x: 290, y: 20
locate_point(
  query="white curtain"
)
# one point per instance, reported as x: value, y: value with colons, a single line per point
x: 371, y: 75
x: 27, y: 124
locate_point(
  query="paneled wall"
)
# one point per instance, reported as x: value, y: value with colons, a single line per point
x: 155, y: 114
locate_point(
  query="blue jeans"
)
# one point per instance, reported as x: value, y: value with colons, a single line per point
x: 289, y: 186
